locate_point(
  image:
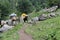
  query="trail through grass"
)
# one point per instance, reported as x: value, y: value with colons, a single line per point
x: 11, y: 34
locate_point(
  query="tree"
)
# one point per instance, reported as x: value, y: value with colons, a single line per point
x: 25, y: 6
x: 4, y: 12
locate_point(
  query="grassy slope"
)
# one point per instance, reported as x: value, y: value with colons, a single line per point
x: 44, y: 29
x: 11, y: 34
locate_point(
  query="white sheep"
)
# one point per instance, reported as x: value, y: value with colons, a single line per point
x: 5, y: 27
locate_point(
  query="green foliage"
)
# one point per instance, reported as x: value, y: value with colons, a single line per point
x: 27, y: 6
x: 4, y: 11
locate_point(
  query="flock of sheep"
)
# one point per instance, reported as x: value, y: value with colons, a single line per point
x: 9, y: 24
x: 45, y: 16
x: 42, y: 17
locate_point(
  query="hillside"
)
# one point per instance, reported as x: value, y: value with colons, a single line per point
x: 48, y: 29
x: 45, y: 30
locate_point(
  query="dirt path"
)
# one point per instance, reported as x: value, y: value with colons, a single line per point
x: 23, y: 34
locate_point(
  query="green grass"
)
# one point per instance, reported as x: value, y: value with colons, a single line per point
x: 43, y: 30
x: 11, y: 34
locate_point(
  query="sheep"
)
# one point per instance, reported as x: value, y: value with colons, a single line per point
x: 33, y: 20
x: 5, y: 27
x: 48, y: 15
x: 51, y: 15
x: 42, y: 17
x: 13, y: 19
x: 2, y: 23
x: 11, y: 22
x: 52, y: 9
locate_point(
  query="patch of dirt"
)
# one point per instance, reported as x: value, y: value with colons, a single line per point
x: 23, y: 34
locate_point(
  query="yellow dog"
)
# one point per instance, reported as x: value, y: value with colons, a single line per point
x: 24, y: 17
